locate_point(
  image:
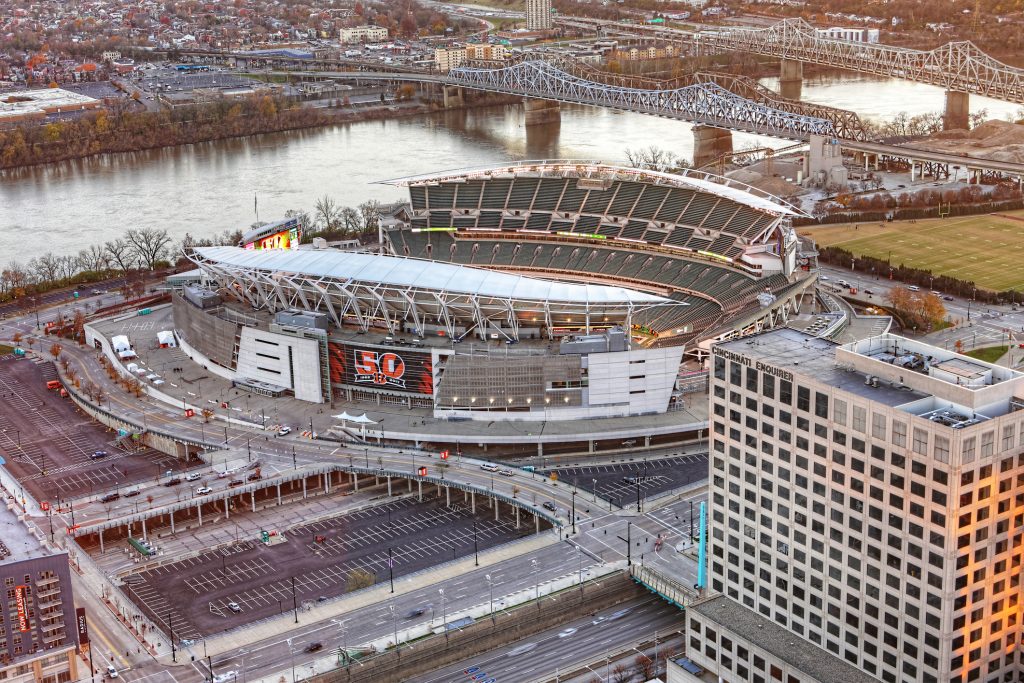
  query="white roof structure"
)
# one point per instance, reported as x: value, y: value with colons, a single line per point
x: 422, y: 274
x: 396, y: 293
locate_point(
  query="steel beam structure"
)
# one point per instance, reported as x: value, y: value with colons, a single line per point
x: 706, y: 103
x: 957, y: 66
x: 387, y: 305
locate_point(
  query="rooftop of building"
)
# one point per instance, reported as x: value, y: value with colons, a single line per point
x: 17, y: 543
x: 804, y: 354
x: 921, y: 379
x: 25, y: 102
x: 778, y: 641
x: 417, y: 274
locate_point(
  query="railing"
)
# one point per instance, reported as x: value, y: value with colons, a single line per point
x: 668, y: 588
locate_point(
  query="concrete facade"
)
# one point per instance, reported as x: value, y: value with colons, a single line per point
x: 362, y: 34
x: 866, y: 499
x: 281, y: 359
x: 538, y: 15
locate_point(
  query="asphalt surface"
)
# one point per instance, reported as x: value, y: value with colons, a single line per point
x: 320, y: 558
x: 619, y: 483
x: 48, y: 443
x: 568, y: 646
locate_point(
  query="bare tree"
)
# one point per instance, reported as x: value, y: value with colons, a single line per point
x: 67, y: 267
x: 94, y: 259
x: 621, y: 674
x: 645, y: 666
x: 327, y: 212
x: 120, y: 254
x: 370, y: 211
x: 45, y: 268
x: 654, y: 158
x: 352, y: 220
x: 149, y: 245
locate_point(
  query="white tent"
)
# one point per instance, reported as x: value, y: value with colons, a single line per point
x: 166, y: 339
x: 120, y: 343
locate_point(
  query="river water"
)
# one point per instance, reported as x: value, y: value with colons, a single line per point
x: 208, y: 188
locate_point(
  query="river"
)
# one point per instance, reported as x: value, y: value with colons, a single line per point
x: 208, y: 188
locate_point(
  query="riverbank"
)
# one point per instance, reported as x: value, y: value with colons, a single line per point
x: 114, y: 133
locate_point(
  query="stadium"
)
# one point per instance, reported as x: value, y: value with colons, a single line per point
x: 538, y: 291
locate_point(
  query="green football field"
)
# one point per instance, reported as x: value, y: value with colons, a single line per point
x: 988, y: 249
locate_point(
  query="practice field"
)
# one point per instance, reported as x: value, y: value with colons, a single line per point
x: 987, y: 249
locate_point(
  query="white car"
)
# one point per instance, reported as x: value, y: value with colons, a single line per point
x: 567, y: 632
x: 284, y: 431
x: 225, y: 676
x: 193, y: 476
x: 111, y: 671
x: 203, y: 490
x: 507, y: 473
x: 234, y: 607
x: 489, y: 467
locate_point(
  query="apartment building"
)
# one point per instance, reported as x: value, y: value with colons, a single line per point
x: 538, y: 15
x: 868, y: 498
x: 38, y: 632
x: 357, y: 35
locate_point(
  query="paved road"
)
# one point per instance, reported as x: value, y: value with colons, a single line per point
x: 977, y: 325
x: 266, y: 657
x: 568, y: 646
x: 625, y: 482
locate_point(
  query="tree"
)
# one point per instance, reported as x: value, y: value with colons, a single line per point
x: 358, y: 578
x: 917, y: 309
x: 645, y: 666
x: 327, y: 213
x: 654, y: 158
x: 95, y: 259
x: 55, y: 350
x: 621, y: 674
x: 148, y: 245
x: 120, y: 254
x: 207, y: 414
x: 352, y: 221
x: 370, y: 211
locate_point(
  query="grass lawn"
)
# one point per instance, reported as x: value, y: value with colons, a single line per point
x: 989, y: 354
x: 987, y: 249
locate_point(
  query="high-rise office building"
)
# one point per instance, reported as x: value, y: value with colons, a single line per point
x: 868, y: 499
x: 538, y: 15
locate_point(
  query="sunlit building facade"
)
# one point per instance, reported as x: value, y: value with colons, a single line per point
x: 868, y: 498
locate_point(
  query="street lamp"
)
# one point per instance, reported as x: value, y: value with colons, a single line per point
x: 291, y: 653
x: 490, y: 590
x: 394, y: 620
x: 533, y: 565
x: 444, y: 615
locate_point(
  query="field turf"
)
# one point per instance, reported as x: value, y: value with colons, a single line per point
x: 988, y: 248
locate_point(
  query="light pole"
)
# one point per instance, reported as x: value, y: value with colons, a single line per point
x: 579, y: 554
x: 574, y: 511
x: 595, y: 490
x: 394, y: 620
x: 343, y: 654
x: 291, y: 653
x: 444, y: 615
x: 533, y: 565
x: 490, y: 590
x: 476, y: 548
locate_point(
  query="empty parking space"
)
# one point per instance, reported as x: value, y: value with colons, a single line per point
x: 619, y: 482
x: 49, y: 445
x: 320, y: 560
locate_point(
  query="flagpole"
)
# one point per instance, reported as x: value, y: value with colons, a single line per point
x: 256, y: 207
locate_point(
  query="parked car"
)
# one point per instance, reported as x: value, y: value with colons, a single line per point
x: 947, y: 298
x: 284, y: 431
x: 172, y: 482
x: 314, y: 647
x: 203, y: 490
x: 99, y: 454
x: 110, y: 497
x: 193, y: 476
x: 548, y: 505
x: 235, y: 482
x: 234, y: 607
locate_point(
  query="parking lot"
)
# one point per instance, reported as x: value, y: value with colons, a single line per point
x: 48, y: 443
x: 246, y: 581
x: 618, y: 483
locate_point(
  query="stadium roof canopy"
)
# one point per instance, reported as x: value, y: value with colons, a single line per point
x: 720, y: 186
x: 399, y: 293
x: 422, y: 274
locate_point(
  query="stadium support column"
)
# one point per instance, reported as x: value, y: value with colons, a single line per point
x: 957, y: 112
x: 541, y: 111
x: 453, y: 97
x: 791, y: 78
x: 709, y: 143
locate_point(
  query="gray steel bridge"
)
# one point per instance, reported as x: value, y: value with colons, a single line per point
x: 956, y: 66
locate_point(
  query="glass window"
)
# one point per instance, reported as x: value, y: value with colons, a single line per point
x: 785, y: 391
x: 803, y: 399
x: 859, y: 418
x: 752, y: 379
x: 767, y: 385
x: 719, y: 367
x: 920, y: 441
x: 735, y: 373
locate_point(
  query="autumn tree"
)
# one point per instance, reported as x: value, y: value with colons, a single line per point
x: 918, y: 310
x: 55, y: 350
